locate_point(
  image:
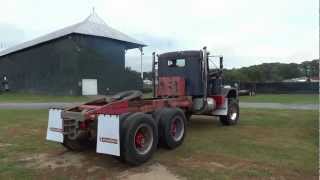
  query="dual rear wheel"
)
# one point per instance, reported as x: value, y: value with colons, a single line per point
x: 140, y: 134
x: 172, y: 127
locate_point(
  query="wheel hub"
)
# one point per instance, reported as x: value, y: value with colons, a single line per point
x: 139, y: 139
x: 233, y: 114
x: 177, y: 128
x: 143, y: 139
x: 174, y: 128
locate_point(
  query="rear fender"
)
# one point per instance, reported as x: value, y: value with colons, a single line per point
x: 108, y: 136
x: 55, y: 126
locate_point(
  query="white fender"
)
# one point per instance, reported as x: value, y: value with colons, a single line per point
x: 55, y: 126
x: 108, y: 136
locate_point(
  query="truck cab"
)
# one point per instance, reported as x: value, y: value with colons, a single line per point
x: 189, y: 73
x: 186, y: 65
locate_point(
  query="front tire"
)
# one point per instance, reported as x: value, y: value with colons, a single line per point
x: 232, y: 117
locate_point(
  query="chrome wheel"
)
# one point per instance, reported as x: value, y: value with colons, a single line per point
x: 177, y: 128
x: 233, y: 113
x: 143, y: 139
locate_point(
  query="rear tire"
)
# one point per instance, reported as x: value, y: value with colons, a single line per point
x: 123, y: 125
x: 139, y: 138
x: 232, y: 117
x: 172, y: 127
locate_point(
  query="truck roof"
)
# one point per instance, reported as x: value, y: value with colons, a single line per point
x: 180, y: 54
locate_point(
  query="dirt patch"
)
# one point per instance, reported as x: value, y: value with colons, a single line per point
x: 61, y: 160
x: 209, y: 164
x: 155, y: 172
x: 2, y: 145
x: 13, y: 131
x: 213, y: 161
x: 94, y: 169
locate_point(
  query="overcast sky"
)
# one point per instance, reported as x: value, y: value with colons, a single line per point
x: 246, y: 32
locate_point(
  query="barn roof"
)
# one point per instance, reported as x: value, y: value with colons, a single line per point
x: 93, y: 25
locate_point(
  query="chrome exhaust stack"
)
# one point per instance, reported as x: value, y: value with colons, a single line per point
x: 204, y: 104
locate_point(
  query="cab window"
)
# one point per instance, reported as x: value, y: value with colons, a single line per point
x: 177, y: 63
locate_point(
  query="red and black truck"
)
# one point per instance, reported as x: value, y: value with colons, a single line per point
x: 131, y: 127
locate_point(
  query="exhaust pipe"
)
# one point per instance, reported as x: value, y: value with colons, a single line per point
x: 204, y: 107
x: 221, y: 62
x: 154, y: 74
x: 205, y: 72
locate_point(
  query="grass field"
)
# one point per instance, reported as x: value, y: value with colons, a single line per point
x: 27, y: 97
x: 277, y: 144
x: 283, y: 98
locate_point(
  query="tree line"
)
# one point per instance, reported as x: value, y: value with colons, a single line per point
x: 273, y: 72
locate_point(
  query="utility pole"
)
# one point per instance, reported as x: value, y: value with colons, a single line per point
x: 141, y: 54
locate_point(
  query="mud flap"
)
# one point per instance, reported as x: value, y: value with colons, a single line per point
x: 55, y: 126
x: 108, y: 137
x: 222, y: 110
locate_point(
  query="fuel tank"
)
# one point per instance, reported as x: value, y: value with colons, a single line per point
x: 206, y: 107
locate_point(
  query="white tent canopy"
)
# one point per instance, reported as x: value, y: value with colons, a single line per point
x: 92, y: 25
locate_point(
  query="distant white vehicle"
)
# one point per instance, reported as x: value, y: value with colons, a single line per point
x: 147, y: 82
x: 299, y: 79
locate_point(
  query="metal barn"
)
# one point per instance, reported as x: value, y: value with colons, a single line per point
x: 85, y: 58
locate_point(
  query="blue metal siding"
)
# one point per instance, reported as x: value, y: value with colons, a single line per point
x: 57, y: 67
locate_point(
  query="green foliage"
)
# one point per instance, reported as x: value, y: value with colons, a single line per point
x: 310, y: 68
x: 131, y: 79
x: 273, y: 72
